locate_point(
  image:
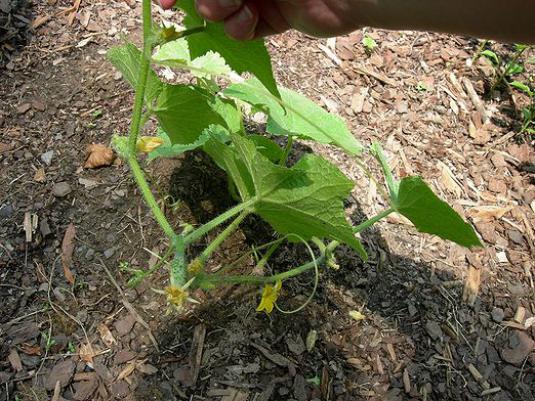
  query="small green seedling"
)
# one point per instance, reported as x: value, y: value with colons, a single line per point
x: 49, y: 341
x: 528, y: 112
x: 71, y: 347
x: 504, y: 70
x: 421, y: 87
x: 302, y: 202
x: 369, y: 44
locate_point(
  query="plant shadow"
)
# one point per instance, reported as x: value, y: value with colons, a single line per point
x: 414, y: 339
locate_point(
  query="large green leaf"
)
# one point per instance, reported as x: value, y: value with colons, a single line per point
x: 251, y: 56
x: 168, y: 149
x: 306, y: 199
x: 126, y: 58
x: 430, y: 214
x: 176, y: 54
x: 184, y: 111
x: 295, y: 115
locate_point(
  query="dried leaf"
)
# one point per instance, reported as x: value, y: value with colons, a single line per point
x: 67, y: 248
x: 127, y: 371
x: 471, y: 286
x: 105, y: 335
x: 487, y: 213
x: 14, y: 360
x: 99, y: 156
x: 40, y: 20
x: 448, y: 180
x: 39, y: 175
x: 147, y: 369
x: 312, y: 336
x: 5, y: 147
x: 30, y: 349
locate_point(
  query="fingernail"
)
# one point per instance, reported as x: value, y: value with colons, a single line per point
x: 229, y: 3
x: 244, y: 15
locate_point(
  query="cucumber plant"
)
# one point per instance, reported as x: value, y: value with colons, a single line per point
x: 302, y: 203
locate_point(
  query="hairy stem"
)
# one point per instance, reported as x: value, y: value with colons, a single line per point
x: 206, y: 228
x: 149, y: 197
x: 373, y: 220
x: 287, y: 150
x: 135, y: 126
x: 209, y: 250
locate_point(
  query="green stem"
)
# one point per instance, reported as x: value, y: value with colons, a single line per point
x: 506, y: 70
x: 206, y: 228
x: 135, y: 126
x: 377, y: 152
x: 149, y: 197
x: 209, y: 250
x: 267, y: 255
x: 373, y: 220
x: 216, y: 279
x: 287, y: 150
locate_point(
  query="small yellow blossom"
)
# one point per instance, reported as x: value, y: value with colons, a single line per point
x: 195, y: 267
x: 176, y: 296
x: 147, y: 144
x: 269, y: 296
x: 356, y: 315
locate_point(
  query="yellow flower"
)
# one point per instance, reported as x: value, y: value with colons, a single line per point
x: 176, y: 296
x: 147, y: 144
x: 269, y: 296
x: 195, y: 267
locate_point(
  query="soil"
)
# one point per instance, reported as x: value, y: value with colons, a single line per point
x: 437, y: 322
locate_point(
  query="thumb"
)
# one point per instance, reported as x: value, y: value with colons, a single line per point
x: 167, y: 4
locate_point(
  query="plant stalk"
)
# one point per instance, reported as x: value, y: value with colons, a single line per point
x: 287, y: 150
x: 209, y: 250
x: 135, y: 126
x: 149, y: 197
x: 373, y: 220
x: 206, y: 228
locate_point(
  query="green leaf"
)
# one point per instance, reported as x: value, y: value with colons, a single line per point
x: 522, y: 87
x: 513, y: 69
x: 417, y: 202
x: 306, y: 199
x: 229, y: 112
x: 184, y: 111
x: 126, y: 59
x: 491, y: 56
x: 251, y: 56
x: 369, y: 43
x: 267, y: 147
x: 295, y: 115
x: 168, y: 149
x: 176, y: 54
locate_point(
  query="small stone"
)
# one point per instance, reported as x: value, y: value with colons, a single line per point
x: 44, y: 228
x: 124, y: 326
x: 6, y: 211
x: 434, y: 330
x: 89, y: 254
x: 47, y: 157
x: 23, y: 108
x: 61, y: 189
x: 523, y: 346
x: 108, y: 253
x: 497, y: 315
x: 295, y: 344
x: 61, y: 372
x: 120, y: 389
x: 516, y: 236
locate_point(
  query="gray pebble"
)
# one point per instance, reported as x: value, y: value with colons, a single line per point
x: 47, y: 157
x: 61, y: 189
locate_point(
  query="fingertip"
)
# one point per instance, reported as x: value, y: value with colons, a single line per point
x: 217, y: 10
x: 167, y: 4
x: 242, y: 24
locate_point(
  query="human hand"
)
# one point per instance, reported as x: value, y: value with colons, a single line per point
x: 248, y: 19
